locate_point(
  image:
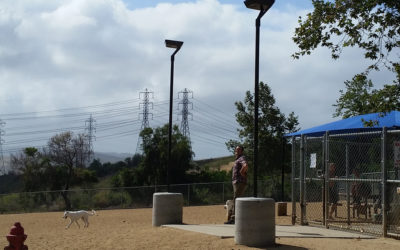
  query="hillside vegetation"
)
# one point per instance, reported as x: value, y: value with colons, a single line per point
x: 14, y: 183
x: 216, y: 164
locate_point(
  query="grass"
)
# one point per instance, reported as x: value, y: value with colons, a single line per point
x: 214, y: 163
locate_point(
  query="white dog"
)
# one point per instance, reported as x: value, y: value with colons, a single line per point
x: 229, y: 209
x: 74, y: 216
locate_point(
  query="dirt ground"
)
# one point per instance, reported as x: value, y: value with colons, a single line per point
x: 132, y: 229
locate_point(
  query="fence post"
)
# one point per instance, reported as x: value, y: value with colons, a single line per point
x: 302, y: 205
x: 326, y: 204
x: 323, y: 179
x: 347, y: 184
x: 189, y: 194
x: 223, y: 192
x: 293, y: 181
x: 283, y: 169
x: 384, y: 179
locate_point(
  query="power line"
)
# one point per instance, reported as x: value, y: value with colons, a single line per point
x: 214, y: 109
x: 66, y: 109
x: 114, y: 122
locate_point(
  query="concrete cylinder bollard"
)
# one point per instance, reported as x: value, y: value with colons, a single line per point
x: 282, y: 208
x: 167, y: 208
x: 255, y: 222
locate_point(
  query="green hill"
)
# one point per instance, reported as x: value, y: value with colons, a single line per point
x: 221, y: 163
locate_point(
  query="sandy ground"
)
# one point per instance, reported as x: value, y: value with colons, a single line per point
x: 132, y: 229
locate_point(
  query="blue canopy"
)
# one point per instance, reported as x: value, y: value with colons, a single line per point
x: 391, y: 120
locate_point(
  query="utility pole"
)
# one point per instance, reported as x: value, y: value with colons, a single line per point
x: 185, y: 111
x: 3, y: 167
x: 145, y: 114
x: 90, y: 129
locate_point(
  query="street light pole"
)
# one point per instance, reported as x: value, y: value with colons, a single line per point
x: 177, y: 46
x: 263, y: 6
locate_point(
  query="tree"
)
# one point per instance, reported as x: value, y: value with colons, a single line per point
x: 68, y: 152
x: 33, y: 164
x: 133, y: 161
x: 360, y: 98
x: 372, y: 25
x: 112, y: 168
x: 152, y: 169
x: 272, y: 126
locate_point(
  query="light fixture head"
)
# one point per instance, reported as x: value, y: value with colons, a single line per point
x: 259, y: 4
x: 173, y: 44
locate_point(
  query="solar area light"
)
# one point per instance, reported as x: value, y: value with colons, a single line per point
x: 177, y: 46
x: 263, y: 6
x: 259, y: 4
x: 173, y: 44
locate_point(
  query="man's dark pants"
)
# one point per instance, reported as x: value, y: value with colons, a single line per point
x: 238, y: 191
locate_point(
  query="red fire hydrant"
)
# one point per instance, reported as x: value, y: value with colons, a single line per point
x: 16, y: 238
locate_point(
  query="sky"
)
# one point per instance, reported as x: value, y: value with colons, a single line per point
x: 72, y: 65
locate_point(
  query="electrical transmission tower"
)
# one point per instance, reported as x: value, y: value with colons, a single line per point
x: 90, y: 130
x: 3, y: 167
x: 185, y: 111
x: 145, y: 114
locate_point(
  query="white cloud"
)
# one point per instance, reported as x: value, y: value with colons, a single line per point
x: 58, y: 54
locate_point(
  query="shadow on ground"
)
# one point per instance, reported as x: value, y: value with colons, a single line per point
x: 284, y: 247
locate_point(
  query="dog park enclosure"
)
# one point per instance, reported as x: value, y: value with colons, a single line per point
x: 367, y: 177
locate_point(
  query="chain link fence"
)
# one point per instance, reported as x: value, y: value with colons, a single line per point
x: 348, y: 181
x: 127, y: 197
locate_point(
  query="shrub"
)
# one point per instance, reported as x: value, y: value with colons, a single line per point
x: 10, y: 203
x: 108, y: 198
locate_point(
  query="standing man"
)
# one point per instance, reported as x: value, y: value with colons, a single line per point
x: 239, y: 179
